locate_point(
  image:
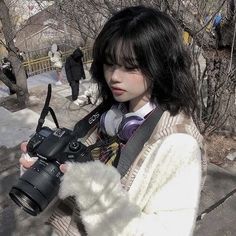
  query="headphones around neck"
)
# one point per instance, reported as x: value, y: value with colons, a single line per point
x: 114, y: 122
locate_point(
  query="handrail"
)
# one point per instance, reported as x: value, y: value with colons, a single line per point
x: 43, y: 64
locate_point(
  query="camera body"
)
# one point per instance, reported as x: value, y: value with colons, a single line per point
x: 37, y: 187
x: 57, y: 146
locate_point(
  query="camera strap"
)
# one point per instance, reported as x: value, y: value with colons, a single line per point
x: 45, y: 111
x: 83, y: 126
x: 136, y: 142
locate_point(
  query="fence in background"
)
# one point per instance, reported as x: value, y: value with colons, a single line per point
x: 43, y: 64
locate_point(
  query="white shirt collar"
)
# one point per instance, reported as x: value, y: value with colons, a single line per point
x: 141, y: 112
x: 145, y: 109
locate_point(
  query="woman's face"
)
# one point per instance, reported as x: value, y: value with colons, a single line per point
x: 127, y: 85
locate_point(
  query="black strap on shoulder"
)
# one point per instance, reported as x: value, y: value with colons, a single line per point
x: 83, y: 126
x: 135, y: 144
x: 45, y: 111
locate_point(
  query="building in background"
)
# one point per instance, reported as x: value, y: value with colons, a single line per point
x: 45, y: 28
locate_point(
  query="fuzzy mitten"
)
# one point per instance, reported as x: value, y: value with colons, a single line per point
x: 104, y: 205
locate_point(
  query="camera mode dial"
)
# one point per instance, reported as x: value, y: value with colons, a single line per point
x: 74, y: 146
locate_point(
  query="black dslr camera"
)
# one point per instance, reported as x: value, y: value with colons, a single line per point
x: 37, y: 187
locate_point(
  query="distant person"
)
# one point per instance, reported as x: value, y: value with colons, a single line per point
x: 55, y: 56
x: 75, y: 71
x: 8, y: 71
x: 21, y: 56
x: 217, y: 28
x: 217, y: 20
x: 89, y: 96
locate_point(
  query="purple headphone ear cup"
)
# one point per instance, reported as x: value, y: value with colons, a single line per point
x: 128, y: 125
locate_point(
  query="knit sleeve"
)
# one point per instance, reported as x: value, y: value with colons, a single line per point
x: 106, y: 209
x: 173, y: 206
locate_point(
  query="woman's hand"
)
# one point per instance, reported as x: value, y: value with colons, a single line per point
x: 25, y: 160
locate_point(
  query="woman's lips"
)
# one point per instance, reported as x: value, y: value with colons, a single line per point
x: 117, y: 91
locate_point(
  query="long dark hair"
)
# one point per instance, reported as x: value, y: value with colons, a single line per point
x: 148, y: 39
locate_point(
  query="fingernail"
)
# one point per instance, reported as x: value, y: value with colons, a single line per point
x: 63, y: 168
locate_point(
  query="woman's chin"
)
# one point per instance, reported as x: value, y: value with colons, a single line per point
x: 120, y: 99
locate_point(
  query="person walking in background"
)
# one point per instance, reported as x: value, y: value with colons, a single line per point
x: 140, y: 65
x: 8, y: 71
x: 217, y: 28
x: 89, y: 96
x: 55, y: 56
x: 75, y: 71
x: 22, y: 56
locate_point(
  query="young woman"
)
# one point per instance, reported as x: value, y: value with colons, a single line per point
x: 55, y: 56
x: 140, y: 64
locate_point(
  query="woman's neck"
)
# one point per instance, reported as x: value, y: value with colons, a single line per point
x: 134, y: 106
x: 138, y: 102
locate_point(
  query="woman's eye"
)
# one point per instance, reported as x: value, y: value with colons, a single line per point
x: 108, y: 64
x: 131, y: 68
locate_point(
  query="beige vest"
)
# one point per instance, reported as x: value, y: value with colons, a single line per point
x: 166, y: 126
x: 66, y: 219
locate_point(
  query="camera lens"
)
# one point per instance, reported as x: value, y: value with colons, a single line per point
x: 24, y: 202
x: 37, y: 187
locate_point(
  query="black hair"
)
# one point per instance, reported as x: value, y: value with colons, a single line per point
x: 148, y: 39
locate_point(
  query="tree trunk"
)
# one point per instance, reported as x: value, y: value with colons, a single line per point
x: 220, y: 92
x: 18, y: 69
x: 9, y: 84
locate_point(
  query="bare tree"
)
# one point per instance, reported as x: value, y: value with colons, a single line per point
x: 8, y: 32
x: 87, y: 16
x: 216, y: 83
x: 217, y: 44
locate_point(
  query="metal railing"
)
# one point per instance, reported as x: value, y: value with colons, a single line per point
x: 43, y: 64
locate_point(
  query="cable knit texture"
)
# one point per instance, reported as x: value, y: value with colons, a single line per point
x: 164, y: 193
x: 159, y: 195
x: 100, y: 197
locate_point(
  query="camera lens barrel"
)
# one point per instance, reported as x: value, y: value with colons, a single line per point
x: 27, y: 197
x: 37, y: 187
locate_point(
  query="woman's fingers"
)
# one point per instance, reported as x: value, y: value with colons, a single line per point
x: 23, y: 147
x: 25, y: 160
x: 63, y: 168
x: 26, y: 163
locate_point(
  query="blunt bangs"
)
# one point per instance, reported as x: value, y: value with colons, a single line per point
x: 119, y: 50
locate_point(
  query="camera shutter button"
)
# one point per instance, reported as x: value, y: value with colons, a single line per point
x: 74, y: 146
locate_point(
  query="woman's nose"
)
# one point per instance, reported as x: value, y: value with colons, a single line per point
x: 116, y: 73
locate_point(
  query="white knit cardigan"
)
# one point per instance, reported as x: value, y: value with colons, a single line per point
x: 162, y: 200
